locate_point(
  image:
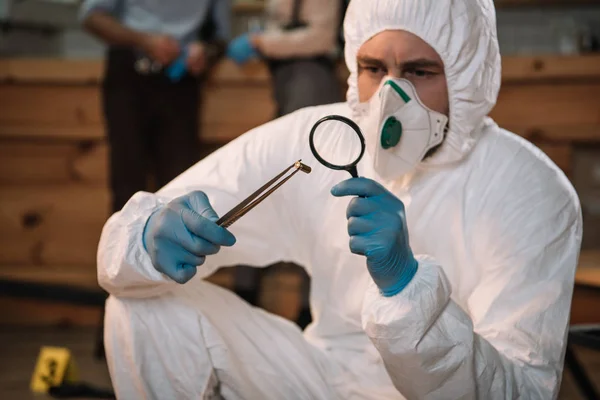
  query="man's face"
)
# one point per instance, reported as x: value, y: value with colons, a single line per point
x: 401, y: 54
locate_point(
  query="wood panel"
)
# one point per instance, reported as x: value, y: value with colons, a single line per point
x: 254, y: 72
x: 85, y: 277
x: 86, y: 72
x: 4, y: 69
x: 584, y: 306
x: 588, y: 272
x: 281, y: 293
x: 90, y: 164
x: 22, y: 163
x: 69, y: 245
x: 548, y: 110
x: 248, y: 7
x: 559, y: 133
x: 552, y: 67
x: 73, y: 112
x: 237, y: 104
x: 223, y: 277
x: 51, y: 70
x: 560, y: 153
x: 31, y: 131
x: 586, y: 297
x: 29, y: 312
x: 51, y: 225
x: 222, y: 133
x: 563, y: 111
x: 231, y: 110
x: 54, y: 206
x: 51, y: 162
x: 57, y: 106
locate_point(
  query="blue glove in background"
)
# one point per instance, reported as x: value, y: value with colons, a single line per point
x: 241, y: 50
x: 180, y: 235
x: 177, y: 68
x: 377, y: 229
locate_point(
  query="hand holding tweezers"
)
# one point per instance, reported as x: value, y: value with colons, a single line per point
x: 255, y: 198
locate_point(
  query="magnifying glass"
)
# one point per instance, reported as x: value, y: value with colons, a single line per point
x: 337, y: 143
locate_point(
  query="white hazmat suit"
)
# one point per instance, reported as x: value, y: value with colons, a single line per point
x: 494, y: 225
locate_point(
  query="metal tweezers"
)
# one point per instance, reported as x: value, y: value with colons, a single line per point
x: 252, y: 201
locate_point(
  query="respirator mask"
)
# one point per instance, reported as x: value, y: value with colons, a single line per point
x: 399, y: 129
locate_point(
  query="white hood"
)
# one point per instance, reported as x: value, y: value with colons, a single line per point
x: 463, y: 32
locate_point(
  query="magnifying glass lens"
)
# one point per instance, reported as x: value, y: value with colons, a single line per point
x: 337, y: 143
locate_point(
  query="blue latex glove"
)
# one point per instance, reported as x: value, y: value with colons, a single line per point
x: 241, y: 50
x: 177, y: 68
x: 377, y: 229
x: 182, y: 233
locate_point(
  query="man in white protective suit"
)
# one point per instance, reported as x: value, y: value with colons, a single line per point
x: 444, y: 272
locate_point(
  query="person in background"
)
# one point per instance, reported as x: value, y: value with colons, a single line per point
x: 157, y: 54
x: 151, y: 110
x: 301, y: 48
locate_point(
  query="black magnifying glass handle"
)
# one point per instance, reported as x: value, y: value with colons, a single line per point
x: 353, y: 171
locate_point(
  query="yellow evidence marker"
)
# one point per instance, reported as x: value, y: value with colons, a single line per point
x: 54, y: 366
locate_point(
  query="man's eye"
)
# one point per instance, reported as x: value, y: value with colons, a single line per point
x: 373, y: 70
x: 420, y: 73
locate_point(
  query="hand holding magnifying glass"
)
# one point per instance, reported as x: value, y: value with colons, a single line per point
x: 376, y: 218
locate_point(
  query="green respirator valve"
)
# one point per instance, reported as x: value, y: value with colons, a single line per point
x: 391, y: 133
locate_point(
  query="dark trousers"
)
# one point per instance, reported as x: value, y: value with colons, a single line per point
x: 304, y: 82
x: 152, y: 126
x: 297, y: 83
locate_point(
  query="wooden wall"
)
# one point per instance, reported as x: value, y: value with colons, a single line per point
x: 54, y: 196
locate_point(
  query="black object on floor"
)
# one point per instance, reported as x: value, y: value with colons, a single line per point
x: 72, y: 391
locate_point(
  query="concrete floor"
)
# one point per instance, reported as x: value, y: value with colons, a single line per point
x: 19, y: 348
